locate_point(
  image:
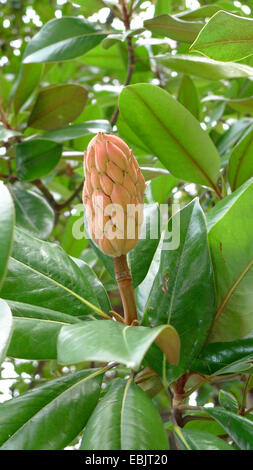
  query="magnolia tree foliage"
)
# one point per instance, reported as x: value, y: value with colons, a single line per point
x: 147, y: 344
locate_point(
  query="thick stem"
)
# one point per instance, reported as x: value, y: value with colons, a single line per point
x: 125, y: 285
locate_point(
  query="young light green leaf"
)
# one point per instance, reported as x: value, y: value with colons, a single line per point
x: 204, y: 67
x: 230, y: 228
x: 57, y: 106
x: 62, y: 39
x: 7, y: 220
x: 5, y: 328
x: 174, y: 28
x: 199, y: 13
x: 225, y: 37
x: 31, y: 421
x: 131, y: 420
x: 240, y: 167
x: 36, y: 158
x: 150, y: 113
x: 112, y: 341
x: 188, y: 95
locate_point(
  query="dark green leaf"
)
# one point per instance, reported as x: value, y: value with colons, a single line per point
x: 131, y: 420
x: 28, y: 79
x: 228, y: 401
x: 78, y: 130
x: 35, y: 331
x: 5, y: 328
x: 57, y: 106
x: 42, y: 274
x: 141, y: 256
x: 31, y: 421
x: 36, y: 158
x: 33, y: 213
x: 199, y: 440
x: 183, y: 291
x: 7, y: 220
x: 63, y: 39
x: 238, y: 427
x: 221, y: 358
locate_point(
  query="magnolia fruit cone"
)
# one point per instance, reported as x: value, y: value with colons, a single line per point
x: 113, y: 181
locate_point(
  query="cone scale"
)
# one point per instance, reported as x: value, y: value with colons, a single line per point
x: 113, y: 197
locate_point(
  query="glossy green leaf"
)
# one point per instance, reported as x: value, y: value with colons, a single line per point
x: 244, y: 105
x: 230, y: 228
x: 42, y: 274
x: 162, y: 6
x: 6, y: 134
x: 77, y: 130
x: 183, y: 290
x: 174, y: 28
x: 150, y: 113
x: 188, y: 95
x: 221, y: 358
x: 36, y: 158
x: 88, y: 7
x: 131, y: 420
x: 205, y: 11
x: 35, y: 331
x: 204, y: 67
x: 27, y: 81
x: 238, y: 427
x: 31, y: 421
x: 141, y: 256
x: 63, y: 39
x: 5, y: 328
x: 228, y: 401
x: 7, y: 220
x: 233, y: 134
x: 107, y: 341
x: 199, y: 440
x: 33, y: 213
x: 57, y: 106
x: 113, y: 59
x: 225, y: 37
x: 240, y: 167
x: 95, y: 282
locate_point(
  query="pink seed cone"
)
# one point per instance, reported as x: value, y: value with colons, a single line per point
x: 113, y: 180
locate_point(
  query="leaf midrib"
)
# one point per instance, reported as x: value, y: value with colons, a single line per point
x: 94, y: 374
x: 202, y: 172
x: 63, y: 41
x: 231, y: 290
x: 93, y: 307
